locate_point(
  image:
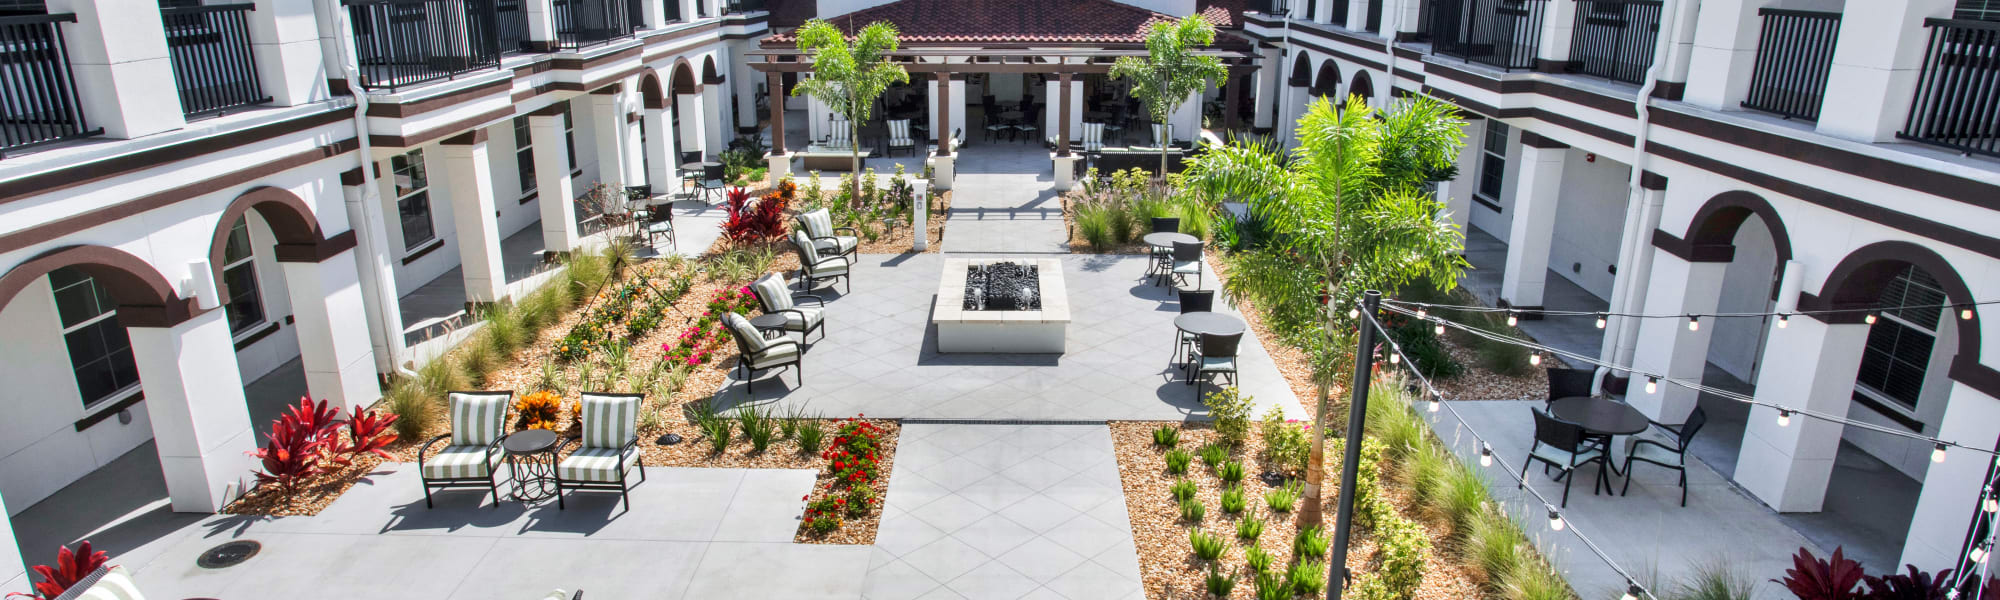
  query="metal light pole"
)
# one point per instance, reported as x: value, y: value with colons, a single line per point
x: 1350, y: 462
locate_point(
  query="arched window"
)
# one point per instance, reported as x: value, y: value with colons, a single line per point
x: 1898, y: 353
x: 100, y: 353
x: 245, y: 304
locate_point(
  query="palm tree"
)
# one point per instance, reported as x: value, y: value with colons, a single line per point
x: 848, y: 77
x: 1171, y: 72
x: 1354, y: 211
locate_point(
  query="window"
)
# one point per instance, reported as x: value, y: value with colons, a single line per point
x: 100, y: 354
x: 524, y: 155
x: 1493, y: 162
x: 569, y: 136
x: 673, y: 10
x: 413, y: 202
x: 244, y: 306
x: 1898, y: 353
x: 1978, y: 10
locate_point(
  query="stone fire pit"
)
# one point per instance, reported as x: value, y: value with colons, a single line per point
x: 1021, y: 308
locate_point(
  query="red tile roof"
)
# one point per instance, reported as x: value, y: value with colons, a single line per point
x: 1015, y: 21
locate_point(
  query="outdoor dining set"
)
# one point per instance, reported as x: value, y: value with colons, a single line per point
x: 1205, y: 341
x: 1578, y: 427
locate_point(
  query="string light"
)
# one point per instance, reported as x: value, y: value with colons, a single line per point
x: 1964, y: 310
x: 1965, y: 314
x: 1631, y: 591
x: 1937, y: 453
x: 1694, y: 323
x: 1652, y: 384
x: 1423, y: 314
x: 1437, y: 401
x: 1555, y: 519
x: 1783, y: 321
x: 1535, y: 358
x: 1354, y: 313
x: 1512, y: 319
x: 1600, y: 320
x: 1870, y: 319
x: 1992, y: 504
x: 1395, y: 358
x: 1486, y: 455
x: 1439, y: 328
x: 1784, y: 418
x: 1978, y: 553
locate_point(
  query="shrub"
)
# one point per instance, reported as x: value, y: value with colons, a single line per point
x: 822, y: 515
x: 70, y: 568
x: 1813, y: 578
x: 858, y: 500
x: 586, y: 273
x: 1207, y: 546
x: 440, y: 376
x: 504, y: 330
x: 1282, y: 499
x: 1182, y: 489
x: 810, y: 434
x: 1392, y: 421
x: 1122, y: 224
x: 750, y: 221
x: 1177, y: 461
x: 1421, y: 345
x: 1534, y: 580
x: 1093, y: 224
x: 368, y: 432
x: 1217, y: 583
x: 1272, y: 585
x: 412, y: 408
x: 1192, y: 510
x: 1257, y: 559
x: 1494, y: 546
x: 1461, y: 497
x: 1231, y: 410
x: 1307, y: 577
x: 1310, y: 542
x: 1401, y: 556
x: 539, y: 410
x: 1286, y: 447
x: 1213, y: 454
x: 760, y: 435
x: 1233, y: 501
x: 1715, y: 581
x: 855, y: 456
x: 1167, y: 436
x: 717, y: 432
x: 1230, y: 472
x: 1250, y: 528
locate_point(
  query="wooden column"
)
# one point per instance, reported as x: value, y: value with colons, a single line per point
x: 1232, y: 102
x: 775, y: 96
x: 943, y: 124
x: 1062, y: 127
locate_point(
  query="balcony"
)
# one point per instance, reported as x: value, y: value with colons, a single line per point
x: 400, y: 43
x: 1794, y: 54
x: 1956, y: 105
x: 38, y: 101
x: 209, y: 47
x: 1614, y: 39
x: 737, y: 7
x: 1505, y: 34
x: 586, y: 23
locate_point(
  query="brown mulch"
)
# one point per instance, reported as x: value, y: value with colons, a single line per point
x: 1167, y: 564
x: 899, y: 240
x: 855, y: 530
x: 312, y: 496
x: 1291, y: 361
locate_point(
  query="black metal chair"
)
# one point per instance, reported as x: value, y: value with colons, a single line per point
x: 1215, y: 354
x: 472, y: 459
x: 1163, y: 255
x: 1566, y: 383
x: 1192, y: 301
x: 1562, y: 445
x: 774, y: 296
x: 608, y: 449
x: 711, y: 183
x: 1187, y: 261
x: 689, y: 174
x: 1672, y: 457
x: 760, y: 354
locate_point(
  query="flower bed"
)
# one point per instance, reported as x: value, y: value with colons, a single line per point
x: 845, y: 505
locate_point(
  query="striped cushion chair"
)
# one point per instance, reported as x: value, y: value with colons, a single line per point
x: 759, y: 353
x: 772, y: 295
x: 608, y: 448
x: 818, y: 225
x: 106, y: 583
x: 478, y: 423
x: 899, y: 137
x: 814, y: 268
x: 838, y: 136
x: 1163, y: 134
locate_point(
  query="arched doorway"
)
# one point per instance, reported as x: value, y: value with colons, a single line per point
x: 1327, y: 83
x: 686, y: 112
x: 655, y: 152
x: 1362, y: 86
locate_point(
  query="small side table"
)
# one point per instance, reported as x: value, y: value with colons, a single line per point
x: 531, y: 460
x: 768, y: 324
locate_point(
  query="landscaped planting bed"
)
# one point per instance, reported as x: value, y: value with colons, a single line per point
x: 882, y: 218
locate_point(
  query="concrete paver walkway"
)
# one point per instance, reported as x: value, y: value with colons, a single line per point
x: 1004, y: 201
x: 1004, y: 511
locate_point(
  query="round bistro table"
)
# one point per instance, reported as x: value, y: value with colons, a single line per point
x: 1207, y: 322
x: 1599, y: 415
x: 531, y: 462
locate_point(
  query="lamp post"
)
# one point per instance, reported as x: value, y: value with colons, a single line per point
x: 1357, y: 417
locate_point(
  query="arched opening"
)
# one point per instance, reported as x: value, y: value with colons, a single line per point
x: 1362, y: 86
x: 684, y: 111
x: 1327, y: 83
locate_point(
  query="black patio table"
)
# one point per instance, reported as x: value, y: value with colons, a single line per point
x: 1207, y: 322
x: 1165, y: 240
x: 531, y: 460
x: 1600, y: 417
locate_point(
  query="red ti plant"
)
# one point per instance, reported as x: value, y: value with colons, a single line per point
x: 69, y: 568
x: 1917, y: 585
x: 1811, y: 578
x: 317, y: 422
x: 751, y: 221
x: 367, y: 433
x: 289, y: 456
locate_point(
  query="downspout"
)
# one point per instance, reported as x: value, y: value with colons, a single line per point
x: 1641, y: 216
x: 1389, y: 49
x: 377, y: 278
x: 1285, y: 87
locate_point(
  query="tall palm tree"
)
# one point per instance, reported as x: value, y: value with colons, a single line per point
x: 1171, y: 71
x: 849, y: 76
x: 1354, y: 210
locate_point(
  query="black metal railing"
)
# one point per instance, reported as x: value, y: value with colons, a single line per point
x: 1957, y: 103
x: 1794, y: 54
x: 673, y: 10
x: 582, y: 23
x: 209, y: 47
x: 737, y: 7
x: 510, y: 20
x: 1500, y: 33
x: 1338, y: 14
x: 38, y: 101
x: 407, y: 42
x: 1614, y: 39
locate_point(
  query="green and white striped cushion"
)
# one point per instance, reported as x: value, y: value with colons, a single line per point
x: 806, y: 246
x: 839, y: 244
x: 745, y: 331
x: 818, y: 222
x: 778, y: 354
x: 608, y: 421
x: 462, y: 462
x: 828, y: 267
x: 478, y: 418
x: 801, y: 318
x: 116, y: 584
x: 771, y: 290
x: 596, y: 464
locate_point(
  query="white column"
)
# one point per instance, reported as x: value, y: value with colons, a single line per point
x: 1679, y: 288
x: 715, y: 113
x: 1413, y: 16
x: 654, y: 13
x: 284, y: 41
x: 327, y: 307
x: 1724, y: 53
x: 385, y: 324
x: 552, y: 183
x: 1535, y: 197
x: 1675, y: 67
x: 958, y: 105
x: 1270, y: 82
x: 1811, y: 365
x: 541, y: 24
x: 469, y: 179
x: 194, y: 398
x: 661, y: 165
x: 1457, y: 192
x: 118, y: 54
x: 743, y: 83
x: 1937, y: 528
x: 1557, y: 27
x: 1357, y: 14
x: 1322, y: 11
x: 693, y: 133
x: 1187, y: 119
x: 1875, y: 67
x: 607, y: 121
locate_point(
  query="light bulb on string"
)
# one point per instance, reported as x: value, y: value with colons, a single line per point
x: 1631, y: 591
x: 1937, y: 453
x: 1783, y: 320
x: 1555, y: 519
x: 1694, y: 323
x: 1395, y: 358
x: 1512, y: 319
x: 1990, y: 504
x: 1535, y: 358
x: 1422, y: 313
x: 1652, y: 384
x: 1965, y: 314
x: 1354, y: 313
x: 1784, y: 418
x: 1600, y: 320
x: 1437, y: 400
x: 1485, y: 454
x: 1870, y: 319
x: 1978, y: 554
x: 1439, y: 328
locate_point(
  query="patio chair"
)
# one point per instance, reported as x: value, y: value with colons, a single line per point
x: 1192, y: 301
x: 899, y: 138
x: 1215, y: 355
x: 761, y: 354
x: 1187, y: 261
x: 839, y: 136
x: 1163, y: 255
x: 607, y: 451
x: 1566, y: 383
x: 654, y: 221
x: 1027, y: 128
x: 105, y: 583
x: 472, y: 459
x: 1658, y: 453
x: 711, y: 183
x: 818, y: 225
x: 689, y: 173
x: 814, y: 269
x: 1562, y: 445
x: 774, y: 297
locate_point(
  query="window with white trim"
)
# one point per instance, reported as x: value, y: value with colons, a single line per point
x: 413, y: 198
x: 242, y: 302
x: 1898, y: 353
x: 1492, y: 162
x: 524, y: 155
x: 569, y: 135
x: 100, y: 353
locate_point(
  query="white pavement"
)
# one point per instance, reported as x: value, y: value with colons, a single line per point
x: 1004, y: 202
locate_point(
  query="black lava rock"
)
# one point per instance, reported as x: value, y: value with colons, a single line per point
x: 1003, y: 286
